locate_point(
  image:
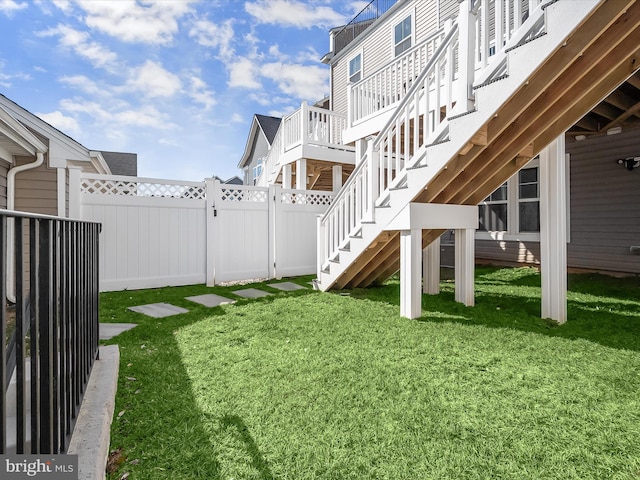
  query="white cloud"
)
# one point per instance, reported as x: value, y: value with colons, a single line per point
x: 10, y: 6
x: 237, y: 118
x: 209, y: 34
x: 154, y: 81
x: 243, y: 74
x: 83, y: 83
x: 293, y: 13
x: 300, y: 81
x: 199, y: 92
x: 150, y: 21
x: 59, y: 120
x: 81, y: 44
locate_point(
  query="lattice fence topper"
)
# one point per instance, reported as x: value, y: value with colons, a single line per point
x: 142, y: 189
x: 319, y: 198
x: 243, y: 195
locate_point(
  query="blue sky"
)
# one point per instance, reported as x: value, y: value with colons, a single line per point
x: 175, y: 81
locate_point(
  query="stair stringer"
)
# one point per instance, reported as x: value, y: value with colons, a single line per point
x: 563, y: 18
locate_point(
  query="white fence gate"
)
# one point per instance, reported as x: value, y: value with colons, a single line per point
x: 160, y: 232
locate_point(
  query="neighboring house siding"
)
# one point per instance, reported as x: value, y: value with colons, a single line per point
x: 259, y: 149
x: 4, y: 168
x: 605, y: 218
x: 36, y: 189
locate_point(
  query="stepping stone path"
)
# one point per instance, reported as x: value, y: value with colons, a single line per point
x: 161, y: 310
x: 211, y: 300
x: 251, y: 293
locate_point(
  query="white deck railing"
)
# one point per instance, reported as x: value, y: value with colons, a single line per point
x: 307, y: 126
x: 420, y: 118
x: 389, y: 84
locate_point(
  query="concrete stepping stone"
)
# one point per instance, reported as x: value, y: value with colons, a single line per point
x: 286, y: 286
x: 159, y: 310
x: 211, y: 300
x: 110, y: 330
x: 251, y: 293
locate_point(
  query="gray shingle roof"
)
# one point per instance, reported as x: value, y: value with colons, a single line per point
x: 122, y: 163
x: 269, y: 126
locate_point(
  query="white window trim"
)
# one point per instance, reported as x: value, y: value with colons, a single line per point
x: 513, y: 213
x: 395, y: 21
x: 355, y: 54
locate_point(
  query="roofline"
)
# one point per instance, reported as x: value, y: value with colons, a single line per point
x: 97, y: 155
x: 51, y: 131
x: 23, y: 136
x: 255, y: 124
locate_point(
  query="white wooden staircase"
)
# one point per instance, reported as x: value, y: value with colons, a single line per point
x: 470, y: 121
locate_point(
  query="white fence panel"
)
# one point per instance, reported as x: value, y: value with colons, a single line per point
x: 295, y: 230
x: 147, y: 241
x: 159, y: 233
x: 241, y: 233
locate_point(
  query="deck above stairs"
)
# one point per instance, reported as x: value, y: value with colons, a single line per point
x: 529, y: 94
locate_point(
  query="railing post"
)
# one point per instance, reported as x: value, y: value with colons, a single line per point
x: 463, y: 95
x: 320, y: 232
x: 210, y: 213
x: 304, y: 122
x: 372, y: 183
x: 75, y: 197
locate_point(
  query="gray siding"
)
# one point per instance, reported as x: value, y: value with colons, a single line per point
x: 377, y: 47
x: 36, y: 189
x: 605, y: 218
x: 259, y: 148
x: 4, y: 168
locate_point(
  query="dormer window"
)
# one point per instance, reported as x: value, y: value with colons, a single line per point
x: 402, y: 36
x: 355, y: 68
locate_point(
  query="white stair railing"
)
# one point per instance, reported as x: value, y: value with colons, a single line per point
x: 389, y: 84
x: 420, y: 119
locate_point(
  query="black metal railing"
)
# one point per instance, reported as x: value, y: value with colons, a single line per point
x: 49, y: 327
x: 369, y: 14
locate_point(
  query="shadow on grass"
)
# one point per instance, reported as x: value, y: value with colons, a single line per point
x: 235, y: 423
x: 156, y: 412
x: 600, y: 309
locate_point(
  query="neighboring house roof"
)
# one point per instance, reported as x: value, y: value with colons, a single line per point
x: 61, y: 147
x: 230, y: 181
x: 122, y: 163
x: 260, y: 125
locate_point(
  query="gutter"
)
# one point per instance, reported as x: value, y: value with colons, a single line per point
x: 11, y: 201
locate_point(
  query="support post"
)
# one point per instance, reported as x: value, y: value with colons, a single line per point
x: 553, y: 231
x: 320, y: 254
x: 75, y: 198
x: 336, y: 174
x: 372, y: 182
x: 465, y: 266
x: 286, y: 176
x: 410, y: 270
x: 301, y: 174
x: 431, y: 268
x: 210, y: 214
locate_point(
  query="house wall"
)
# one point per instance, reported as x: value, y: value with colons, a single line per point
x: 604, y: 219
x: 4, y: 168
x: 377, y: 47
x: 36, y: 189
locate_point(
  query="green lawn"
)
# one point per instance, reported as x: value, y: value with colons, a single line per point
x: 338, y: 386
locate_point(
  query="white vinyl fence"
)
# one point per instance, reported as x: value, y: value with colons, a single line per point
x: 160, y: 232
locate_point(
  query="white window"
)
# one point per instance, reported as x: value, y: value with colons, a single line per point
x: 257, y: 170
x: 355, y: 68
x: 402, y: 35
x: 493, y: 211
x: 528, y: 200
x: 513, y: 210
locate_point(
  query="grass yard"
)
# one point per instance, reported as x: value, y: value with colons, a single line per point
x: 311, y: 385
